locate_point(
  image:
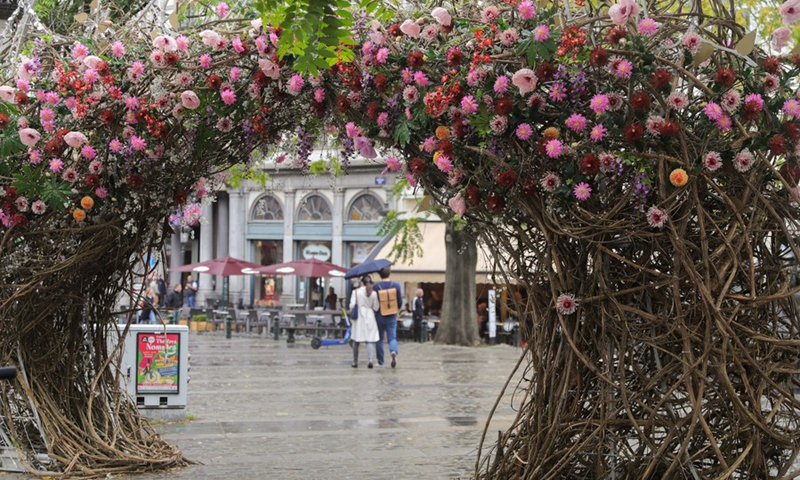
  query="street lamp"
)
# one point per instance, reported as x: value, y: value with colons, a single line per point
x: 7, y: 8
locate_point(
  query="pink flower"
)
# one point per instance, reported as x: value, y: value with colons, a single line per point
x: 598, y: 133
x: 656, y: 217
x: 46, y: 114
x: 743, y: 160
x: 382, y: 55
x: 137, y: 68
x: 352, y: 131
x: 469, y: 105
x: 234, y: 74
x: 755, y: 99
x: 88, y: 152
x: 443, y: 162
x: 118, y: 49
x: 24, y: 86
x: 228, y: 96
x: 455, y: 177
x: 724, y: 123
x: 458, y: 205
x: 319, y: 95
x: 138, y: 143
x: 498, y: 124
x: 526, y: 10
x: 70, y: 175
x: 501, y: 85
x: 79, y: 51
x: 781, y: 37
x: 393, y: 164
x: 648, y: 27
x: 430, y: 32
x: 541, y: 33
x: 429, y: 145
x: 51, y: 97
x: 115, y: 146
x: 365, y: 148
x: 38, y: 207
x: 677, y: 101
x: 576, y: 122
x: 524, y: 131
x: 101, y: 192
x: 790, y: 12
x: 622, y: 68
x: 95, y: 167
x: 713, y: 111
x: 691, y: 41
x: 210, y: 38
x: 269, y: 68
x: 189, y: 100
x: 56, y: 165
x: 490, y: 14
x: 29, y: 137
x: 608, y: 163
x: 599, y: 103
x: 525, y: 80
x: 224, y: 124
x: 182, y: 43
x: 731, y: 100
x: 442, y: 16
x: 550, y: 182
x: 420, y: 79
x: 238, y: 45
x: 712, y: 161
x: 410, y: 28
x: 35, y: 156
x: 90, y: 76
x: 558, y: 92
x: 205, y: 60
x: 295, y: 84
x: 653, y: 125
x: 621, y: 12
x: 582, y: 191
x: 222, y: 9
x: 383, y: 119
x: 554, y: 148
x: 165, y: 43
x: 792, y: 108
x: 22, y: 204
x: 566, y: 304
x: 771, y: 83
x: 411, y: 94
x: 7, y: 94
x: 509, y: 37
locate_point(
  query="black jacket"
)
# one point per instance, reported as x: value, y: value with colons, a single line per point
x: 174, y: 299
x: 419, y: 309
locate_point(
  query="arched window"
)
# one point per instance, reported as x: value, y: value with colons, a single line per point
x: 314, y: 208
x: 366, y: 208
x: 267, y: 208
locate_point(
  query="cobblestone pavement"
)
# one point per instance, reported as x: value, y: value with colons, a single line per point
x: 263, y: 409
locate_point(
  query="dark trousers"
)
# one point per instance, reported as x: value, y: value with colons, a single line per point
x: 418, y: 331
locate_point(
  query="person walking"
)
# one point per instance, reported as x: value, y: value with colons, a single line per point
x: 417, y: 312
x: 364, y: 329
x: 190, y: 291
x: 390, y: 298
x: 174, y: 302
x: 149, y: 302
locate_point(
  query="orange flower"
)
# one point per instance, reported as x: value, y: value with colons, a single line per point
x: 442, y: 133
x: 678, y: 177
x: 79, y: 215
x: 87, y: 203
x: 551, y: 133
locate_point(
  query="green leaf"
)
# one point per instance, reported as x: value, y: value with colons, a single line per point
x: 402, y: 134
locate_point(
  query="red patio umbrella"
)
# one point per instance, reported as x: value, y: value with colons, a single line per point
x: 305, y: 268
x: 221, y: 266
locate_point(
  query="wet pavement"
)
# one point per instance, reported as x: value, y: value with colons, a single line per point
x: 262, y: 409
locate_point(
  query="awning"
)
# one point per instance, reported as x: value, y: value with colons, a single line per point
x: 430, y: 267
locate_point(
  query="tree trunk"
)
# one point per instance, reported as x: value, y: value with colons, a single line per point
x: 458, y: 325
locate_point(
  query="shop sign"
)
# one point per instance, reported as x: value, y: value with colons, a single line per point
x: 318, y: 251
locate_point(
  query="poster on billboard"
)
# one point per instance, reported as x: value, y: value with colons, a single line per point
x: 157, y: 362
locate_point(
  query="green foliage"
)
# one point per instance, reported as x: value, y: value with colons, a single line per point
x: 407, y: 236
x: 240, y: 172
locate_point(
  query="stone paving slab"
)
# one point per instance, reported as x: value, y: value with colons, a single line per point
x: 263, y: 409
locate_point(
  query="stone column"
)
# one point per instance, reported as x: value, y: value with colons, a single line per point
x: 206, y: 253
x: 338, y: 253
x: 237, y: 221
x: 288, y: 241
x: 176, y: 258
x: 222, y: 227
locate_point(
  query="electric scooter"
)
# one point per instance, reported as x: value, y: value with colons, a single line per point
x: 317, y: 342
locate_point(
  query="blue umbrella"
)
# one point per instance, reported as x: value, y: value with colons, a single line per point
x: 370, y: 266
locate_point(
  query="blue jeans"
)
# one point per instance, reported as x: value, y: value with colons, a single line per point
x: 389, y: 326
x: 190, y: 301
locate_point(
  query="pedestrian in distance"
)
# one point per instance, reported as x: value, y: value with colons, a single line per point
x: 190, y: 291
x: 390, y: 298
x: 365, y: 328
x: 174, y: 301
x: 417, y: 314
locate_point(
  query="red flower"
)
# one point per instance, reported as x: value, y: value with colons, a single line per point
x: 459, y: 128
x: 372, y: 110
x: 381, y: 83
x: 446, y: 147
x: 415, y: 59
x: 530, y: 188
x: 589, y: 164
x: 777, y: 145
x: 640, y: 101
x: 661, y: 78
x: 750, y: 111
x: 417, y: 166
x: 180, y: 197
x: 796, y: 60
x: 394, y: 30
x: 791, y: 173
x: 21, y: 99
x: 772, y: 65
x: 55, y: 145
x: 615, y: 35
x: 792, y: 130
x: 19, y: 220
x: 473, y: 195
x: 92, y: 180
x: 134, y: 181
x: 213, y: 81
x: 319, y: 108
x: 503, y: 106
x: 107, y: 116
x: 507, y: 178
x: 454, y: 56
x: 172, y: 58
x: 669, y: 129
x: 545, y: 72
x: 355, y: 82
x: 598, y: 57
x: 495, y: 203
x: 260, y: 78
x: 4, y: 121
x: 725, y: 77
x: 342, y: 104
x: 11, y: 193
x: 633, y: 132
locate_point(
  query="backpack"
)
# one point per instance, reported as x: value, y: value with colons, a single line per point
x: 388, y: 301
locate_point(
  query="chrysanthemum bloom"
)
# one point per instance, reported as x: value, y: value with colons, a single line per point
x: 490, y: 14
x: 713, y: 111
x: 509, y: 37
x: 653, y: 125
x: 524, y: 131
x: 118, y: 49
x: 115, y: 146
x: 38, y: 207
x: 743, y: 160
x: 656, y: 217
x: 131, y: 103
x: 96, y: 166
x: 442, y: 132
x: 70, y: 175
x: 469, y: 105
x: 771, y: 83
x: 79, y: 215
x: 648, y: 27
x: 677, y: 101
x: 541, y: 33
x: 551, y: 133
x: 712, y: 161
x: 21, y: 204
x: 526, y: 10
x: 138, y: 143
x: 792, y: 108
x: 731, y: 100
x: 101, y: 192
x: 498, y: 124
x: 724, y: 123
x: 691, y: 41
x: 80, y: 51
x: 295, y: 84
x: 228, y: 96
x: 566, y: 304
x: 501, y: 85
x: 35, y: 156
x: 598, y: 133
x: 550, y: 182
x: 576, y: 122
x: 678, y: 177
x: 582, y: 191
x: 558, y: 92
x: 224, y: 124
x: 554, y: 148
x: 87, y: 202
x: 599, y: 103
x: 421, y: 79
x: 222, y: 9
x: 88, y: 152
x: 443, y: 162
x: 623, y: 68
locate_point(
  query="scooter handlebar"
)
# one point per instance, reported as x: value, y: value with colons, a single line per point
x: 8, y: 373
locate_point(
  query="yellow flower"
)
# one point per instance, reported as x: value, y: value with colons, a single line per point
x: 79, y: 215
x: 436, y: 155
x: 551, y: 133
x: 87, y: 202
x: 678, y: 177
x: 442, y: 132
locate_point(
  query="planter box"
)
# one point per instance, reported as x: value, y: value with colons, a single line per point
x: 210, y: 327
x: 194, y: 326
x: 183, y: 321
